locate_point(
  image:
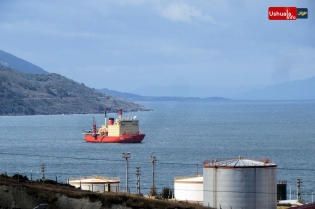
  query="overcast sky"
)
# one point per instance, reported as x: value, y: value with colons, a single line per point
x: 205, y: 47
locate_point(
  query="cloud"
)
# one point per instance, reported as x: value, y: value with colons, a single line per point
x: 182, y: 12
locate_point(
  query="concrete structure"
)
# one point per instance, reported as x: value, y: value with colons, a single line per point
x: 281, y: 190
x: 240, y: 183
x: 189, y: 188
x: 96, y: 183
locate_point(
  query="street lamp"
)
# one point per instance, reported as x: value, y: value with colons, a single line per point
x: 312, y: 197
x: 126, y: 156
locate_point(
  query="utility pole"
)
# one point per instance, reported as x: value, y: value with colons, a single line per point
x: 153, y: 189
x: 126, y: 156
x: 197, y: 169
x: 43, y: 172
x: 298, y: 189
x: 138, y: 179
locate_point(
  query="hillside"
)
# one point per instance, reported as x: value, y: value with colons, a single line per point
x: 45, y: 94
x: 135, y: 97
x: 293, y: 90
x: 19, y: 192
x: 18, y: 64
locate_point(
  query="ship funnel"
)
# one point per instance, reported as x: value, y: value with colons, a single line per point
x: 110, y: 121
x: 120, y: 113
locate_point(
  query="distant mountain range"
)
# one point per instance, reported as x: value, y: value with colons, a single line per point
x: 13, y: 62
x: 15, y: 85
x: 135, y: 97
x: 292, y: 90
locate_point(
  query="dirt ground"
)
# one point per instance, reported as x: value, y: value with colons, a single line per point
x: 65, y: 202
x: 15, y: 197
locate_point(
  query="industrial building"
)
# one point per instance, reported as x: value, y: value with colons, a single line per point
x: 96, y: 183
x: 189, y: 188
x: 281, y: 190
x: 240, y: 183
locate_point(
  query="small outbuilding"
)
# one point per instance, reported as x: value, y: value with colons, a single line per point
x: 189, y: 188
x: 96, y: 184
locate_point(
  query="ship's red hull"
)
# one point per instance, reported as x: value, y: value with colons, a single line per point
x: 137, y: 138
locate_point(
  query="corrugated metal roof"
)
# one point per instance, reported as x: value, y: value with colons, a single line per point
x: 95, y: 179
x: 194, y: 179
x: 239, y: 162
x: 290, y: 202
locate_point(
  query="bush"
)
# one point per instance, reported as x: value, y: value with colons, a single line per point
x: 167, y: 193
x: 4, y: 175
x: 20, y: 177
x: 48, y: 181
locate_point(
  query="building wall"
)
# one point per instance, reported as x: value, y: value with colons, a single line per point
x: 113, y: 187
x: 131, y: 127
x: 188, y: 191
x: 113, y: 130
x: 240, y: 187
x: 128, y: 126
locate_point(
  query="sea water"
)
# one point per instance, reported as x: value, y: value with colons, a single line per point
x: 181, y: 135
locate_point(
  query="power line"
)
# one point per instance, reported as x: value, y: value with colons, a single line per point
x: 136, y: 161
x: 86, y: 158
x: 52, y: 156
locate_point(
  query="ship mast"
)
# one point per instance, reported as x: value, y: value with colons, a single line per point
x: 105, y: 114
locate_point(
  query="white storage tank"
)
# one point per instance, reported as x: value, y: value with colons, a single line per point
x: 240, y: 183
x: 188, y: 188
x: 96, y: 184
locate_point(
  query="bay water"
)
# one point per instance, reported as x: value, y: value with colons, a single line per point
x: 181, y: 135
